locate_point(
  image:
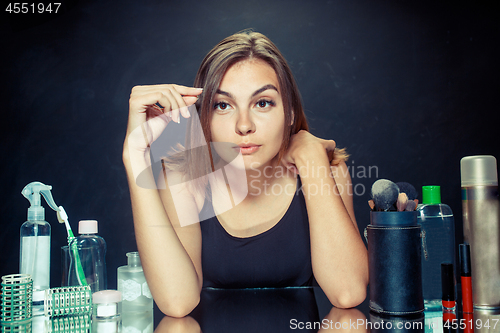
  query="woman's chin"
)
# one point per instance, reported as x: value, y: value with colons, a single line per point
x: 243, y: 163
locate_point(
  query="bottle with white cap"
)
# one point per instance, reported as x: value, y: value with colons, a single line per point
x: 481, y: 218
x: 92, y: 252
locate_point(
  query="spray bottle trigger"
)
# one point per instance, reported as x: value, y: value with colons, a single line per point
x: 48, y: 197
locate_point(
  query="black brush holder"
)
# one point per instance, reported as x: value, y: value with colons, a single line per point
x: 395, y: 266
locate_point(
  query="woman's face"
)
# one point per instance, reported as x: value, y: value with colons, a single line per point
x: 248, y: 114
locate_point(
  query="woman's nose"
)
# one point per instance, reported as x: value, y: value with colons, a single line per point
x: 244, y: 124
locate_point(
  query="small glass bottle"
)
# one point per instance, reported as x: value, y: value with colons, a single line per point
x: 436, y: 220
x: 92, y: 252
x: 132, y: 283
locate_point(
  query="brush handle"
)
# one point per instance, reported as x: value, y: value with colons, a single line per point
x: 62, y: 216
x: 402, y: 202
x: 79, y: 269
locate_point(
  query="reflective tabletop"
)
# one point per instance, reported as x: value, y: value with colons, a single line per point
x: 304, y: 309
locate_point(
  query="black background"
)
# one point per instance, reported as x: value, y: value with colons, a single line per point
x: 409, y: 87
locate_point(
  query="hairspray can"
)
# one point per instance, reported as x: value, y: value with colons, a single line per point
x: 481, y: 219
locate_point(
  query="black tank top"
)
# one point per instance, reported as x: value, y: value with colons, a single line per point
x: 278, y: 257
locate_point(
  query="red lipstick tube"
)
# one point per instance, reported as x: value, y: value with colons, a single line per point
x: 465, y: 272
x: 448, y: 286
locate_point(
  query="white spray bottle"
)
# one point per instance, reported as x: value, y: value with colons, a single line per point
x: 35, y: 239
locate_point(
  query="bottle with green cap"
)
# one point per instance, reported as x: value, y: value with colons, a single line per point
x: 436, y: 220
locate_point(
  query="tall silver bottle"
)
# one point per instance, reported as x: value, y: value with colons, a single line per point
x: 481, y: 218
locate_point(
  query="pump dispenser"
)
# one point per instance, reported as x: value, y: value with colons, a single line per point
x: 35, y: 239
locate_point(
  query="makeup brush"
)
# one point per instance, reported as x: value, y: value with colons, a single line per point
x: 385, y: 194
x: 409, y: 189
x: 372, y: 204
x: 402, y: 202
x: 411, y: 205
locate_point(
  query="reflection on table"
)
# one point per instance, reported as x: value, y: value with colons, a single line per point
x: 269, y: 310
x: 305, y: 310
x: 263, y: 310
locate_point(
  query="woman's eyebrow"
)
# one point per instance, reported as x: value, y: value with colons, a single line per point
x: 225, y: 93
x: 258, y: 91
x: 264, y: 88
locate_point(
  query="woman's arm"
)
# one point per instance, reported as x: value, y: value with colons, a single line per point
x: 170, y: 257
x: 339, y: 256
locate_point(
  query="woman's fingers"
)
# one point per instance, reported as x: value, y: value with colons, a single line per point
x: 175, y: 102
x: 190, y: 100
x: 330, y: 146
x: 151, y: 108
x: 170, y: 89
x: 304, y: 142
x: 187, y: 91
x: 171, y: 97
x: 186, y: 96
x: 182, y: 90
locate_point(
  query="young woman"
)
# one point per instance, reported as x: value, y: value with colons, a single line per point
x: 297, y: 220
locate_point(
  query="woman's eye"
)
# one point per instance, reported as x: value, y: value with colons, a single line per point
x: 264, y: 103
x: 221, y: 106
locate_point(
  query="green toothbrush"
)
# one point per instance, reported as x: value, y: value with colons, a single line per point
x: 63, y: 218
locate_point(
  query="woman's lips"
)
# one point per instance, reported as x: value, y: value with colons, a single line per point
x: 247, y: 149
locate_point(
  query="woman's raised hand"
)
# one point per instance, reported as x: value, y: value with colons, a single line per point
x: 152, y: 107
x: 306, y: 147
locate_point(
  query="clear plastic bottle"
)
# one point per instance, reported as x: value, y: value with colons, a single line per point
x: 436, y: 219
x: 35, y: 239
x: 35, y: 254
x: 133, y: 285
x: 92, y: 252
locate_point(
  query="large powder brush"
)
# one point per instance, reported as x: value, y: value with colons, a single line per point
x: 384, y: 194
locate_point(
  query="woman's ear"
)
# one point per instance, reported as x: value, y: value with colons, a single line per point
x: 293, y: 118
